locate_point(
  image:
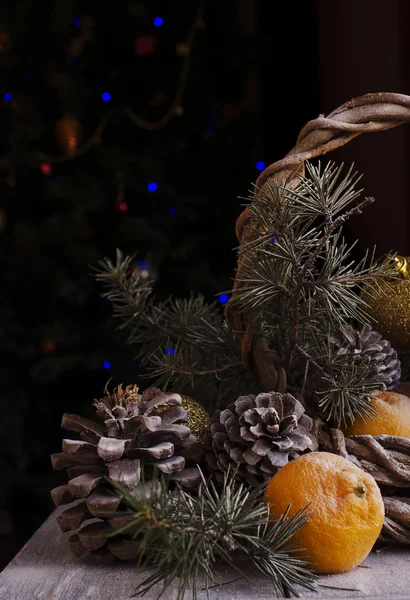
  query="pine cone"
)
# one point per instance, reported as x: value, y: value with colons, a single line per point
x: 370, y: 342
x: 138, y: 430
x: 260, y: 434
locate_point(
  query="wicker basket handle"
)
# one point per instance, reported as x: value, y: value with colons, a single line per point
x: 366, y: 114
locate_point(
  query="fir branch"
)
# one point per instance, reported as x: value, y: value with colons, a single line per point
x: 183, y: 362
x: 300, y: 266
x: 125, y: 290
x: 347, y: 381
x: 185, y: 537
x: 184, y: 344
x: 297, y: 275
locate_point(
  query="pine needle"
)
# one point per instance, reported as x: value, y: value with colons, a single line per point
x: 186, y: 537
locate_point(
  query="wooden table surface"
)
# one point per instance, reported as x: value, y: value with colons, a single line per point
x: 45, y: 570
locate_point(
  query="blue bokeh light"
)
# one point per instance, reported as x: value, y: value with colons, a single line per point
x: 8, y: 97
x: 172, y: 211
x: 107, y: 364
x: 143, y: 264
x: 152, y: 187
x: 76, y: 21
x: 170, y: 352
x: 260, y: 165
x: 106, y: 96
x: 223, y: 298
x: 158, y: 22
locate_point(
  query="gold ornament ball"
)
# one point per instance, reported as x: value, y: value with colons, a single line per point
x: 198, y: 418
x: 68, y: 132
x: 390, y: 306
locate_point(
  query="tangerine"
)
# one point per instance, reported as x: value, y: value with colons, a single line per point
x: 393, y: 416
x: 346, y: 509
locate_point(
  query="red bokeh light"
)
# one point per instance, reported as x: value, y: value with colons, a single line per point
x: 45, y: 168
x: 145, y: 45
x: 121, y: 206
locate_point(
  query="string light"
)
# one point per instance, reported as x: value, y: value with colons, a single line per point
x: 143, y: 264
x: 138, y: 120
x: 107, y: 364
x: 172, y: 211
x: 8, y: 97
x: 170, y: 352
x: 260, y: 165
x: 152, y: 187
x: 45, y: 168
x: 77, y: 22
x: 123, y: 206
x: 223, y: 298
x: 158, y: 22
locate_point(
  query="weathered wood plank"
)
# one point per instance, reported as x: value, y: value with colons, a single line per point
x: 45, y: 570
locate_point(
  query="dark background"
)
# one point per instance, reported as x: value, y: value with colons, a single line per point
x: 259, y: 71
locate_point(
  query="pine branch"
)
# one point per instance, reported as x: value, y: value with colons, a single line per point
x: 184, y: 344
x: 299, y: 266
x: 346, y: 381
x: 297, y: 275
x: 125, y: 290
x: 184, y: 537
x: 189, y: 362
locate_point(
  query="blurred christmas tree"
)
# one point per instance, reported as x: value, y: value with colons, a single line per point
x: 129, y: 124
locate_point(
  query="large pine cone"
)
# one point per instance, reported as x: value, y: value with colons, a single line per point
x: 260, y: 434
x: 138, y: 430
x: 371, y: 343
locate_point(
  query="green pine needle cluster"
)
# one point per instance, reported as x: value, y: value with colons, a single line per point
x: 344, y: 381
x: 184, y: 344
x: 297, y: 273
x: 185, y: 538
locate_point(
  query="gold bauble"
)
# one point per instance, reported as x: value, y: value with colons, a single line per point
x: 390, y: 306
x: 198, y: 418
x: 68, y: 133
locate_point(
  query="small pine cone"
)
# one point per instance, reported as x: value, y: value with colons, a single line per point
x: 146, y: 430
x: 371, y: 343
x: 260, y: 434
